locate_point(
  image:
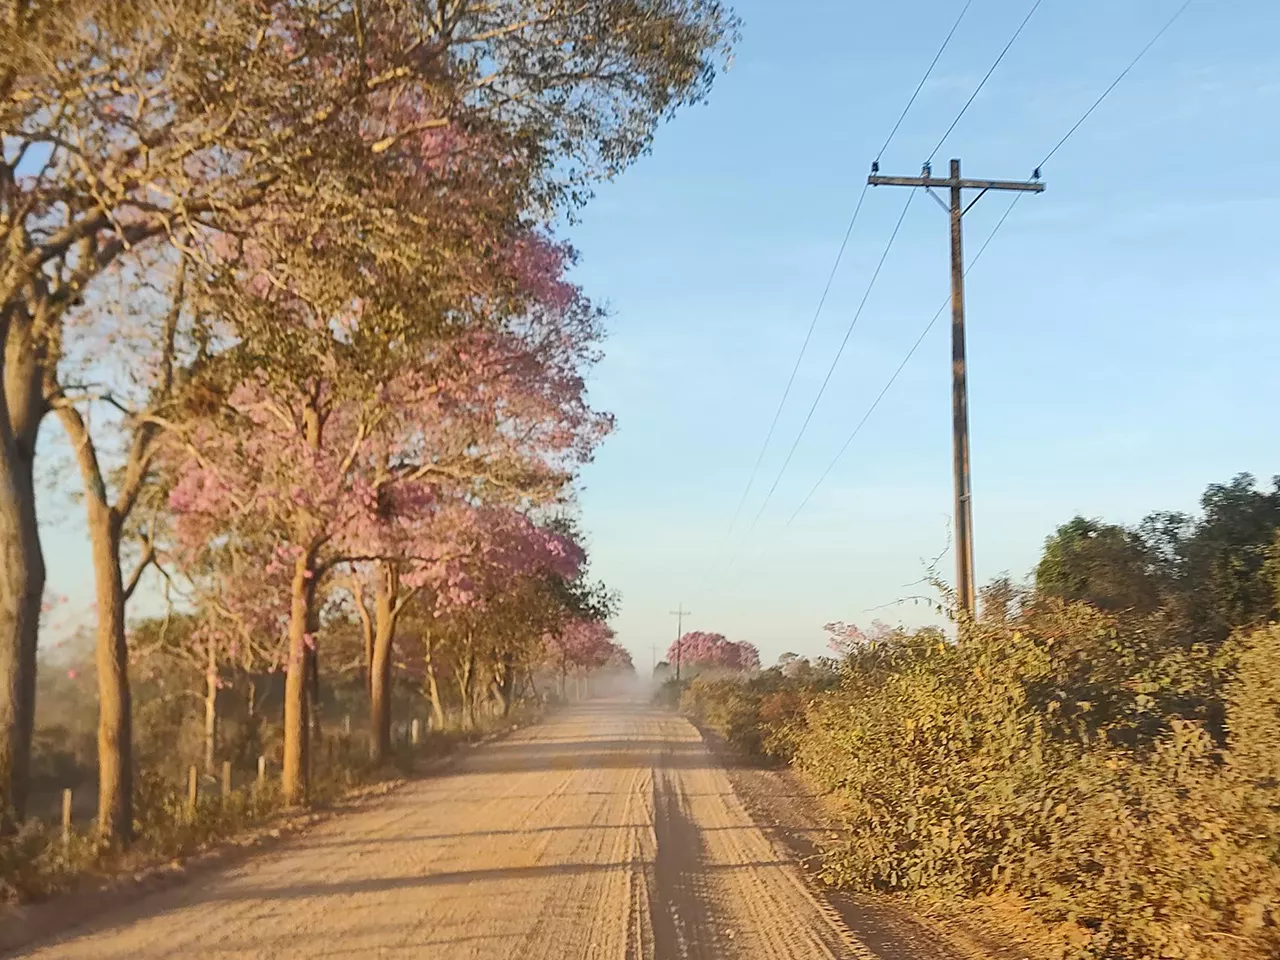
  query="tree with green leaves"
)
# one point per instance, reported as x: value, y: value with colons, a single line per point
x: 197, y: 126
x: 1099, y: 563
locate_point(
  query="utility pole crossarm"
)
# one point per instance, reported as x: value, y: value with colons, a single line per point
x: 1025, y: 186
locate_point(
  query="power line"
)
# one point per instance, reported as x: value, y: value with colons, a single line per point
x: 1007, y: 47
x: 836, y: 360
x: 905, y: 360
x: 1115, y: 83
x: 777, y: 414
x: 925, y: 79
x: 916, y: 346
x: 844, y: 243
x: 875, y: 167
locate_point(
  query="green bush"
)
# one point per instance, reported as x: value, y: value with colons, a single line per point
x: 729, y: 707
x: 761, y: 715
x: 34, y: 862
x: 1046, y: 760
x: 669, y: 693
x: 1122, y: 786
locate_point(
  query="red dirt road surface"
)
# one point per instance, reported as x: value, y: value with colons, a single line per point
x: 607, y: 832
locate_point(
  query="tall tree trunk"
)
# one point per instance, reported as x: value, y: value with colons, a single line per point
x: 433, y: 685
x: 385, y: 612
x: 504, y: 683
x: 293, y: 776
x: 22, y: 570
x: 115, y: 710
x: 466, y: 684
x: 211, y: 709
x: 106, y: 522
x: 366, y: 631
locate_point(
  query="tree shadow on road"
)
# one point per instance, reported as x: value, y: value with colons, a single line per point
x: 348, y: 888
x: 589, y: 754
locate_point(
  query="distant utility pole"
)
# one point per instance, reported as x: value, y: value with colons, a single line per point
x: 959, y: 384
x: 679, y: 613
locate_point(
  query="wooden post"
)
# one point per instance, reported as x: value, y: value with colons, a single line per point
x: 965, y: 589
x: 680, y: 614
x: 262, y: 772
x: 346, y: 725
x: 415, y: 731
x: 226, y: 780
x: 66, y: 822
x: 193, y: 789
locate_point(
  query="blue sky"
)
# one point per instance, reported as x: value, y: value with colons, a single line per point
x: 1122, y: 327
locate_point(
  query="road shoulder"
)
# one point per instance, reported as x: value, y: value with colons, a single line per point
x: 99, y: 896
x: 790, y: 814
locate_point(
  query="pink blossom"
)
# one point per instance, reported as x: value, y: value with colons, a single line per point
x: 583, y: 645
x: 712, y: 650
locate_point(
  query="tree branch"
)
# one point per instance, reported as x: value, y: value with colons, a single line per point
x: 148, y: 557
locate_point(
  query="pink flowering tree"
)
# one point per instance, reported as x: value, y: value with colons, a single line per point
x: 466, y: 570
x: 619, y: 659
x: 360, y: 119
x: 337, y: 452
x: 507, y: 408
x: 711, y: 651
x: 579, y: 647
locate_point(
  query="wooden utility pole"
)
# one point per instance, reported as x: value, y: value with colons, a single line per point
x: 679, y: 613
x: 965, y: 589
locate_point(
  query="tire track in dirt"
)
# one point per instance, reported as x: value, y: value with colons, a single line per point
x: 746, y: 900
x: 606, y: 833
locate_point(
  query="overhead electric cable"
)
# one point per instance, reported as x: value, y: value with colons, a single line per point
x: 974, y: 96
x: 925, y: 79
x: 905, y: 360
x: 1116, y: 82
x: 875, y: 167
x: 844, y: 243
x: 928, y: 327
x: 835, y: 361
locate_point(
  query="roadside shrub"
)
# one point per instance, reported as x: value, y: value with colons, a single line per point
x: 761, y: 715
x: 781, y: 721
x: 1062, y: 761
x: 669, y: 693
x: 1124, y: 787
x: 730, y: 708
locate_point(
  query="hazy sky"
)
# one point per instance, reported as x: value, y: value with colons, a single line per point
x: 1123, y: 326
x: 1123, y: 338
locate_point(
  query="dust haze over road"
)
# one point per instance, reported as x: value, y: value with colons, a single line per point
x: 607, y: 832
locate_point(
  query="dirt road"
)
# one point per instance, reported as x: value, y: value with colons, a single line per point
x: 607, y: 832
